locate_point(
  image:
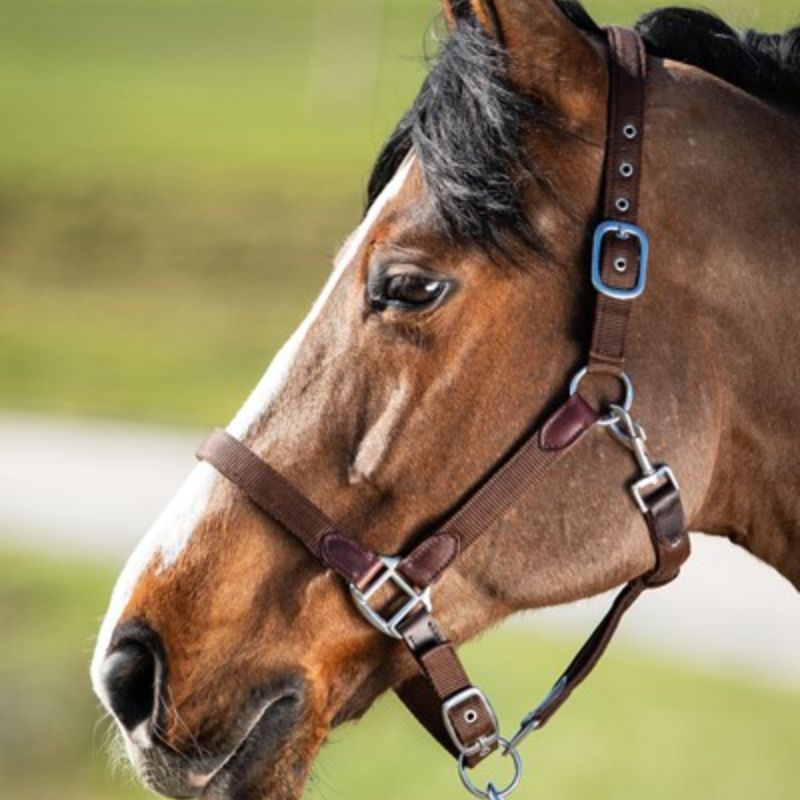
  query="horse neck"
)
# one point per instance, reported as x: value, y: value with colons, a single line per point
x: 732, y: 193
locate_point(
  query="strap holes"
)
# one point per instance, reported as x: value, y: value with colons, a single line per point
x: 630, y: 131
x: 626, y: 169
x: 623, y: 205
x: 621, y: 265
x: 470, y: 716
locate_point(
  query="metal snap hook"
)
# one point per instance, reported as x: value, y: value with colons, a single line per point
x: 631, y: 435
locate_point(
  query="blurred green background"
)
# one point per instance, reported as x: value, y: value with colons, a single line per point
x: 174, y: 178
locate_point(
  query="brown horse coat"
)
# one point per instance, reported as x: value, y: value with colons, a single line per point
x: 385, y: 417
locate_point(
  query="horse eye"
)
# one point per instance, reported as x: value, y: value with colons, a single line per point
x: 411, y: 291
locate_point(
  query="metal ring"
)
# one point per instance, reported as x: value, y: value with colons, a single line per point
x: 627, y: 404
x: 626, y: 169
x: 630, y: 131
x: 491, y: 791
x: 623, y: 205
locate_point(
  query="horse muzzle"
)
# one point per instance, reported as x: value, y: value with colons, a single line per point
x: 133, y: 685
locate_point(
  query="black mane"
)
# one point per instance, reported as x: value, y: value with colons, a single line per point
x: 465, y: 127
x: 466, y: 124
x: 764, y: 64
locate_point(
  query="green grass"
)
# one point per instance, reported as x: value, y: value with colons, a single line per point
x: 638, y: 729
x: 174, y: 177
x: 156, y: 304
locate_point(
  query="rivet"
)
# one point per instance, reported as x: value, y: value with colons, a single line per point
x: 626, y: 169
x: 621, y: 265
x: 630, y: 131
x: 470, y: 716
x: 623, y: 205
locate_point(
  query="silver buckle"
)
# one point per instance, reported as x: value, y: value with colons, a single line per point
x: 660, y: 477
x: 484, y: 745
x: 390, y: 575
x: 623, y: 230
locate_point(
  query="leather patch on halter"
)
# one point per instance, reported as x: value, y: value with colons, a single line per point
x: 350, y: 560
x: 568, y: 424
x: 430, y: 559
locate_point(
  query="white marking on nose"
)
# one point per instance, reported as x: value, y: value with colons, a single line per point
x: 172, y: 531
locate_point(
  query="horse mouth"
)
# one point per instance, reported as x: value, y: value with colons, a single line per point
x: 256, y: 746
x: 245, y: 766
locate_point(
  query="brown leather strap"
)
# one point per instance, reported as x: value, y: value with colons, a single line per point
x: 670, y: 539
x: 667, y: 527
x: 528, y: 465
x: 442, y: 691
x: 623, y: 171
x: 278, y: 498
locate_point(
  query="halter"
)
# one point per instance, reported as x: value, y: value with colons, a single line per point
x: 440, y: 695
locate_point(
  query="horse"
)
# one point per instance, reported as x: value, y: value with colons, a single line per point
x: 445, y: 333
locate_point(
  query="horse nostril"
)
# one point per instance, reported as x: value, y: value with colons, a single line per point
x: 131, y: 676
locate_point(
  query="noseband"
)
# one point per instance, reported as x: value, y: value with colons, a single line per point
x: 441, y: 695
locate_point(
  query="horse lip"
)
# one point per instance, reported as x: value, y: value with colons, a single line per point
x: 231, y: 757
x: 215, y: 777
x: 262, y: 726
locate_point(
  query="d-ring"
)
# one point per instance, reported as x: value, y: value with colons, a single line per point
x: 491, y: 792
x: 627, y: 404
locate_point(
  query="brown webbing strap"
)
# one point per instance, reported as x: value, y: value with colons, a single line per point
x: 528, y: 465
x: 472, y: 719
x: 667, y: 528
x: 442, y: 679
x: 278, y: 498
x: 620, y: 264
x: 623, y: 171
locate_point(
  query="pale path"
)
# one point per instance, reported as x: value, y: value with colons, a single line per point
x: 93, y: 488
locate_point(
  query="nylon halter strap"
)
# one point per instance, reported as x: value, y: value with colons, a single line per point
x: 441, y: 695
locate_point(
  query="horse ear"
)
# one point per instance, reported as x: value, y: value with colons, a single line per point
x: 549, y: 56
x: 454, y: 10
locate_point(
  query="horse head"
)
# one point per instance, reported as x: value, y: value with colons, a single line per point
x: 453, y: 315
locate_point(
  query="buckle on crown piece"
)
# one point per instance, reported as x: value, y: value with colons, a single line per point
x: 622, y: 230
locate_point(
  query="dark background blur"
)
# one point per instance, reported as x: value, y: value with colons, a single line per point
x: 175, y: 176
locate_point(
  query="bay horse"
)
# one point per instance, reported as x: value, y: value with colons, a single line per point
x: 453, y: 314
